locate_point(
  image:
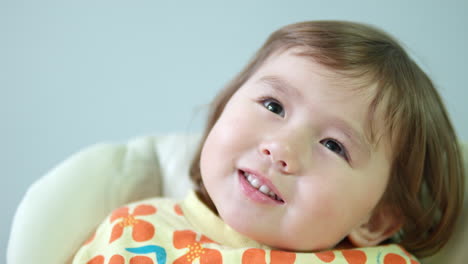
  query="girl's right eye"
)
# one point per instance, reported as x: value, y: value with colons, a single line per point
x: 273, y: 106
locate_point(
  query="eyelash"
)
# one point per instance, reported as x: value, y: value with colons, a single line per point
x: 343, y: 153
x: 265, y: 100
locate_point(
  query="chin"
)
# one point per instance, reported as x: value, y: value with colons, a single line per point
x: 299, y: 247
x: 280, y: 243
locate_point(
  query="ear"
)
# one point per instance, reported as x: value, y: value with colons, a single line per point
x: 380, y: 226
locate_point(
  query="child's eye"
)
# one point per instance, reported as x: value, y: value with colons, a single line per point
x: 273, y: 106
x: 335, y: 146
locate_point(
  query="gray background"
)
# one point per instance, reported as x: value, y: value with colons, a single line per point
x: 76, y: 73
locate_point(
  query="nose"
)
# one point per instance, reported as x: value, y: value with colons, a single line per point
x: 281, y: 153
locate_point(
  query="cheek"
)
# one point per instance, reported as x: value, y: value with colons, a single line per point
x: 360, y: 199
x: 321, y: 198
x: 219, y: 142
x: 338, y: 201
x: 208, y: 153
x: 221, y: 147
x: 231, y: 134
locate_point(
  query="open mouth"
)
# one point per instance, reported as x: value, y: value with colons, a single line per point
x: 257, y: 183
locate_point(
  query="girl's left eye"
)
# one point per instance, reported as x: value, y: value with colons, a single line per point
x: 273, y: 106
x: 335, y: 146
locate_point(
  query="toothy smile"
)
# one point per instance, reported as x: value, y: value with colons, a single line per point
x: 256, y: 183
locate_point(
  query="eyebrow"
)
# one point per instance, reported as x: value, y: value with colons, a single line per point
x: 281, y: 85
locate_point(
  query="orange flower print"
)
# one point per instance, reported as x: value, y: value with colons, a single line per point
x: 141, y: 260
x: 188, y: 239
x: 142, y: 230
x: 115, y: 259
x: 354, y: 256
x: 96, y: 260
x: 118, y: 259
x: 392, y: 258
x: 257, y: 256
x: 326, y: 256
x: 178, y: 210
x: 412, y: 259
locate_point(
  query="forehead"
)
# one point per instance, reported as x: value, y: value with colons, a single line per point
x: 299, y: 63
x: 303, y: 73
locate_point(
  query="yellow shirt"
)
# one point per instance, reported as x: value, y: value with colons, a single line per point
x: 160, y: 231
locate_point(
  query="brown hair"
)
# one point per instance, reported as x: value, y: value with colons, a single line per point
x: 427, y: 175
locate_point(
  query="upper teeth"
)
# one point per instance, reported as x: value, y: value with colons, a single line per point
x: 261, y: 187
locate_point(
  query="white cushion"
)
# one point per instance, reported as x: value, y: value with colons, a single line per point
x: 62, y: 208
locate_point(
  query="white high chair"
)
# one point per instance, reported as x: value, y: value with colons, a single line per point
x: 61, y: 209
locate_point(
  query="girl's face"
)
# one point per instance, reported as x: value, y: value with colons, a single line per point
x: 288, y: 163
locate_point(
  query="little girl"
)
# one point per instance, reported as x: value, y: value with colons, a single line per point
x: 331, y: 146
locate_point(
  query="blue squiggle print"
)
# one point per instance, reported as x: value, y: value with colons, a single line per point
x: 159, y: 251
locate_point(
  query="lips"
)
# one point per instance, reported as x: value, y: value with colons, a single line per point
x: 262, y: 185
